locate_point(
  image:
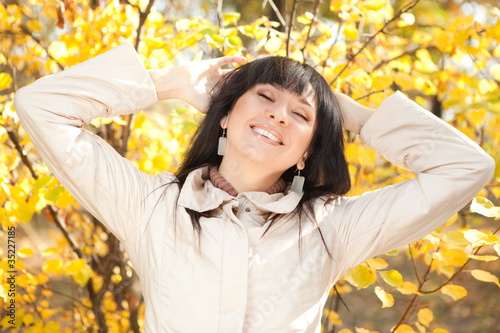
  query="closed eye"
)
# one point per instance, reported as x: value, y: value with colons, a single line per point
x: 265, y: 96
x: 302, y: 116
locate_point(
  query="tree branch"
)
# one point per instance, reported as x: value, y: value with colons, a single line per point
x: 457, y: 272
x: 122, y: 149
x: 277, y: 12
x: 39, y: 42
x: 61, y: 225
x: 290, y: 27
x: 220, y: 16
x: 384, y: 62
x: 405, y: 9
x: 369, y: 94
x: 313, y: 20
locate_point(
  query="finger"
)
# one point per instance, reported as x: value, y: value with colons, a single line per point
x: 230, y: 60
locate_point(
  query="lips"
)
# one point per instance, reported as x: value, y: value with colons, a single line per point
x: 269, y: 134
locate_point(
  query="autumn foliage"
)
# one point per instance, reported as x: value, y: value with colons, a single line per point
x: 71, y: 273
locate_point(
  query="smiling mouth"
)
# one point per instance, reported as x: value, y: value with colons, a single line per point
x: 267, y: 135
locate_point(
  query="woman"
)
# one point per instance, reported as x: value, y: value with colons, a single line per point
x: 223, y: 246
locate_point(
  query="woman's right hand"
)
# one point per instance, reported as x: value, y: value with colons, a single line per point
x: 191, y: 82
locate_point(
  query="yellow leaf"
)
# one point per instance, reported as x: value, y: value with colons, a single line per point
x: 28, y: 319
x: 377, y: 263
x: 381, y: 82
x: 404, y: 329
x: 273, y: 44
x: 404, y: 81
x: 74, y: 267
x: 386, y: 298
x: 484, y: 207
x: 375, y: 4
x: 34, y: 25
x: 50, y: 251
x: 333, y: 317
x: 444, y: 41
x: 455, y: 238
x: 392, y: 277
x: 25, y: 252
x: 408, y: 288
x: 97, y: 282
x: 350, y: 32
x: 52, y: 266
x: 440, y: 330
x: 406, y: 20
x: 453, y: 257
x: 42, y: 278
x: 5, y: 81
x: 482, y: 258
x: 231, y: 18
x: 486, y: 86
x: 84, y: 275
x: 425, y: 316
x: 362, y: 276
x: 116, y: 278
x: 496, y: 247
x: 485, y: 276
x: 306, y: 18
x: 345, y: 330
x: 26, y: 279
x: 454, y: 291
x: 478, y: 238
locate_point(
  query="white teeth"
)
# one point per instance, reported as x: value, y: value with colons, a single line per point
x: 266, y: 134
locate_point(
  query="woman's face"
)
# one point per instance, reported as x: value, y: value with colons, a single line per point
x: 271, y: 128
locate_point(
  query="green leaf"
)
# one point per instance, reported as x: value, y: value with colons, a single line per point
x: 55, y: 194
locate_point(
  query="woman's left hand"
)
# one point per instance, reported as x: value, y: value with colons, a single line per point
x: 192, y: 82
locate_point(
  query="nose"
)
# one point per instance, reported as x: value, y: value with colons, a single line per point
x: 278, y: 114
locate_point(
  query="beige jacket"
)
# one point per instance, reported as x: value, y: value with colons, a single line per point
x: 240, y: 281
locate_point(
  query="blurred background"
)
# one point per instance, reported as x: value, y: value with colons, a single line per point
x: 71, y: 273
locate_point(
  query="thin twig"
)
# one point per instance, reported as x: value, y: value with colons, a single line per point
x: 61, y: 225
x: 313, y: 20
x: 369, y: 94
x: 323, y: 65
x: 384, y: 62
x: 34, y: 305
x: 39, y: 42
x: 122, y: 149
x: 421, y: 283
x: 142, y: 20
x: 414, y: 264
x: 278, y: 14
x: 220, y: 16
x: 457, y: 272
x: 290, y: 27
x: 368, y: 41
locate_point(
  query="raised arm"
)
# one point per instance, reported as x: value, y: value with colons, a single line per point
x: 451, y: 169
x: 54, y: 109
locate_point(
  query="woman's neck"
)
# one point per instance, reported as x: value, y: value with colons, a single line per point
x: 246, y: 178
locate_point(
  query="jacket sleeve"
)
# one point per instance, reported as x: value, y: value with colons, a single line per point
x: 53, y: 111
x: 451, y: 169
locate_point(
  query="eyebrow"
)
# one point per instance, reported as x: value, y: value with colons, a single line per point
x: 302, y: 100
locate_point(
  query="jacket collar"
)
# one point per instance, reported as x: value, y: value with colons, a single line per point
x: 199, y: 194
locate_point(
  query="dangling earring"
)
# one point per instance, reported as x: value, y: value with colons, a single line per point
x: 298, y: 183
x: 221, y: 149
